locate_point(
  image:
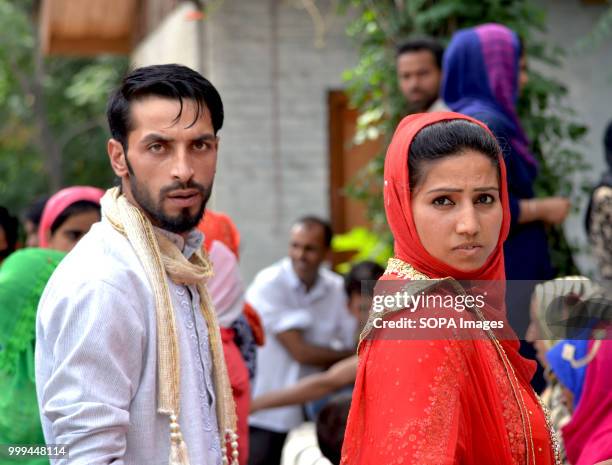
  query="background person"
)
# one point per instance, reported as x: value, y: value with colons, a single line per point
x: 303, y: 308
x: 550, y: 303
x: 227, y: 294
x: 67, y: 217
x: 9, y: 226
x: 31, y: 220
x: 419, y: 73
x: 23, y: 277
x: 359, y: 287
x: 484, y: 70
x: 599, y: 214
x: 584, y: 369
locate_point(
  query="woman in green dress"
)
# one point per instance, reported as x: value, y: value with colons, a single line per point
x: 23, y: 276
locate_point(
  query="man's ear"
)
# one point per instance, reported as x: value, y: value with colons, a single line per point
x: 117, y: 158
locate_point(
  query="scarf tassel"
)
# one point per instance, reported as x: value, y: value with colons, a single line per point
x: 178, y: 449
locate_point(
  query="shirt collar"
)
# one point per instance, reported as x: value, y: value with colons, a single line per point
x: 189, y: 245
x: 320, y: 285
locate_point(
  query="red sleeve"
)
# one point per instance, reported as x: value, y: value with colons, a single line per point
x: 407, y: 404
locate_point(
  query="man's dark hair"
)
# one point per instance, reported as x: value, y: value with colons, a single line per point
x: 331, y: 424
x: 80, y: 206
x: 422, y: 44
x: 170, y: 81
x: 362, y: 277
x: 10, y: 224
x: 311, y: 220
x: 35, y: 210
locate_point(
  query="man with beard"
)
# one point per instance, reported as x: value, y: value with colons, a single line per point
x: 308, y: 327
x: 419, y: 73
x: 129, y: 364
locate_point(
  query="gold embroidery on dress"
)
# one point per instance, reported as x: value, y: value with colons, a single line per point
x: 436, y: 421
x: 444, y: 398
x: 510, y: 412
x: 404, y: 270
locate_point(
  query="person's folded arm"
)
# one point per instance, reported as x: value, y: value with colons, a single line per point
x: 312, y: 387
x: 306, y: 353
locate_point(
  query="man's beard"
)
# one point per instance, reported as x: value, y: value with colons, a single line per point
x: 178, y: 224
x: 422, y: 105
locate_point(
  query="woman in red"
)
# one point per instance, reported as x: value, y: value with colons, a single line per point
x: 449, y: 399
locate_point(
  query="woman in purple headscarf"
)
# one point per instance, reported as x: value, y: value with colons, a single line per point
x: 484, y: 69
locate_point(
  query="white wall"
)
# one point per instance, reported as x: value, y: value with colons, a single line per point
x: 588, y: 76
x: 273, y: 162
x: 175, y: 40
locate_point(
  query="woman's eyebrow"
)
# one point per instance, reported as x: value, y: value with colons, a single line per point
x: 454, y: 189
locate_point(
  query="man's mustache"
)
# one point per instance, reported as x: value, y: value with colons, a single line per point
x: 183, y: 186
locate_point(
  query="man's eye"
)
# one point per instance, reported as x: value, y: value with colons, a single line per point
x: 156, y: 148
x: 200, y: 145
x: 442, y: 201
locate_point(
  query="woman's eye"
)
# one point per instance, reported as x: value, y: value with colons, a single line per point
x: 74, y: 235
x: 486, y: 199
x: 442, y: 201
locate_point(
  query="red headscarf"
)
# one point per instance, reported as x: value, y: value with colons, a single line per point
x: 408, y: 247
x: 218, y: 226
x: 61, y: 200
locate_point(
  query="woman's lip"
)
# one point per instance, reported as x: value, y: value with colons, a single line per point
x: 468, y: 250
x: 467, y: 246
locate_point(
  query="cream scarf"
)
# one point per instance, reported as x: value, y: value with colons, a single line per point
x: 160, y: 258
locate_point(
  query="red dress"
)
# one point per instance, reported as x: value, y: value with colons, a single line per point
x: 440, y: 402
x: 241, y: 390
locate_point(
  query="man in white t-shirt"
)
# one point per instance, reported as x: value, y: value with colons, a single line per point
x: 308, y: 328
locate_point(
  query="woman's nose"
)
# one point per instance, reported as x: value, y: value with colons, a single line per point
x: 468, y: 222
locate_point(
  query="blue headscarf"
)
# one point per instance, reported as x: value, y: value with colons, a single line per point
x: 480, y: 79
x: 559, y: 359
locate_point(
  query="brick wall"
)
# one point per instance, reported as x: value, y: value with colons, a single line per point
x: 273, y: 164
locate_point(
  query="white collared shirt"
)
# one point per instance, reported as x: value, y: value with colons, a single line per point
x: 284, y: 304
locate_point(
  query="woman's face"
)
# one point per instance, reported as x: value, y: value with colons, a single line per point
x: 72, y: 230
x: 457, y: 209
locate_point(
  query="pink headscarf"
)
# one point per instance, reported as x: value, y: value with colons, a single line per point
x: 225, y: 287
x: 588, y: 435
x: 61, y: 200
